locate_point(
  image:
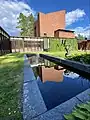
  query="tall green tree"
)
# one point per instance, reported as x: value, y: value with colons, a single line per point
x: 26, y: 24
x: 30, y: 27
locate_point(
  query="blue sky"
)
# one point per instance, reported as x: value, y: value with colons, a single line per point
x: 55, y: 5
x: 77, y: 13
x: 69, y: 5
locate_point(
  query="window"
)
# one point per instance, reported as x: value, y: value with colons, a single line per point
x: 45, y: 34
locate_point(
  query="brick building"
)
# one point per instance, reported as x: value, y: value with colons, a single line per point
x: 52, y: 24
x: 64, y: 33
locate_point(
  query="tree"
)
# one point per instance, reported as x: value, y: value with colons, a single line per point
x: 30, y: 27
x: 80, y: 37
x: 26, y: 24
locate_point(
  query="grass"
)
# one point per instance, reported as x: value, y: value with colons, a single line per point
x: 11, y: 77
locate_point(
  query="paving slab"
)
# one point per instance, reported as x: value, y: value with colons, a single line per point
x: 84, y: 96
x: 28, y: 72
x: 33, y: 103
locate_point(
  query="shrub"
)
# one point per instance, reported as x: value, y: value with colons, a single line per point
x: 83, y: 57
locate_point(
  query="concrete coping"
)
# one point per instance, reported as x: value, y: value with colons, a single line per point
x: 33, y: 103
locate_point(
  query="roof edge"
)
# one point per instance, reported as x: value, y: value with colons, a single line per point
x: 64, y: 30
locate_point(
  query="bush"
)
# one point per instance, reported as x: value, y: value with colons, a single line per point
x: 83, y: 57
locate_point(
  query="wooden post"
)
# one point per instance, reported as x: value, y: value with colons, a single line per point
x: 23, y: 45
x: 30, y: 45
x: 19, y: 45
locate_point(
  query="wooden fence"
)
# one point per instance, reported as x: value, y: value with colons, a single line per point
x: 84, y: 45
x: 5, y: 44
x: 27, y: 44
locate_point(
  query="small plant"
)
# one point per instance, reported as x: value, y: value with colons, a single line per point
x: 81, y: 112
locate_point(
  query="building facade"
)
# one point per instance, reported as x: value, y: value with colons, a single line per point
x: 47, y: 24
x: 5, y: 44
x: 64, y: 33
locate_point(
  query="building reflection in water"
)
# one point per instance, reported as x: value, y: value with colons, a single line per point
x: 51, y: 73
x: 46, y: 70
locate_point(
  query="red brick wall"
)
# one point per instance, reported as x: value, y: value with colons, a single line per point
x: 50, y: 22
x: 56, y: 33
x: 64, y: 34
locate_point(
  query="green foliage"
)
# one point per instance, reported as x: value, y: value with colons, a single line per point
x: 81, y: 112
x: 84, y: 57
x: 59, y: 45
x: 26, y: 24
x: 30, y: 25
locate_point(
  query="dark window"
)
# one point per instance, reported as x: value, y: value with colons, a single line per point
x: 35, y: 31
x: 45, y: 34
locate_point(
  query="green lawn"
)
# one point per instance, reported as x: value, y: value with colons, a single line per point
x: 11, y: 77
x: 11, y: 80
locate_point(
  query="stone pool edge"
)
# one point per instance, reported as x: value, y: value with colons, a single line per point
x: 33, y: 103
x: 34, y: 107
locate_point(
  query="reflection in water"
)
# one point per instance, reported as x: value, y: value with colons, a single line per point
x: 46, y: 70
x: 59, y: 84
x: 50, y: 74
x: 36, y: 61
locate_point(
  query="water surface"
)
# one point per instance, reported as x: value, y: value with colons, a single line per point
x: 56, y: 83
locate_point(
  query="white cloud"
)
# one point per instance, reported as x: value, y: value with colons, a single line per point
x: 73, y: 16
x: 76, y: 15
x: 9, y: 11
x: 83, y: 31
